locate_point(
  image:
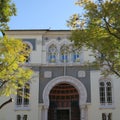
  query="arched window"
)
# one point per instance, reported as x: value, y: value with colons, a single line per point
x: 23, y: 94
x: 27, y: 48
x: 64, y: 53
x: 105, y: 88
x: 52, y: 54
x: 76, y: 56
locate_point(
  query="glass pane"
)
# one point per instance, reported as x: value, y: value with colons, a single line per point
x: 104, y: 116
x: 27, y: 48
x: 18, y: 117
x: 26, y: 94
x: 19, y: 100
x: 108, y: 83
x: 52, y: 52
x: 109, y: 92
x: 64, y: 51
x: 76, y: 57
x: 25, y: 117
x: 102, y: 84
x: 110, y: 116
x: 102, y: 92
x: 19, y: 96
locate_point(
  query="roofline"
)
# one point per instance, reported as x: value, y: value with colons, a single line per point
x: 38, y: 30
x: 35, y: 32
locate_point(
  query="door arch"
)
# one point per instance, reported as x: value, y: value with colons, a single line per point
x: 77, y: 84
x: 64, y: 103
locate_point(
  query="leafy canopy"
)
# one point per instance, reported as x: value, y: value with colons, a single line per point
x: 7, y: 10
x: 98, y: 28
x: 12, y: 72
x: 13, y: 54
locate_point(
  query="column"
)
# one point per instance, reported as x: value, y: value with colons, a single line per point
x: 82, y: 108
x: 40, y: 112
x: 45, y: 112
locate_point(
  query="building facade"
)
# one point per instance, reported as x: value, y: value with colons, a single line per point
x: 63, y: 87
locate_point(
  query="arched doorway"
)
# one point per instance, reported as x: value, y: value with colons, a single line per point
x: 64, y: 103
x: 75, y: 83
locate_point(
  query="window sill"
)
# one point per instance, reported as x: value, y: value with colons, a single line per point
x: 23, y: 108
x: 107, y: 107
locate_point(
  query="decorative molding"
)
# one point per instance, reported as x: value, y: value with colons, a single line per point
x: 66, y: 79
x: 81, y: 74
x: 47, y: 74
x: 29, y: 43
x: 107, y: 78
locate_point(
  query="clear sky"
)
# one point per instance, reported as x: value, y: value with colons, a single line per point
x: 43, y: 14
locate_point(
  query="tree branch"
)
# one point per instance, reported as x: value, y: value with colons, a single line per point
x: 3, y: 83
x: 108, y: 29
x: 112, y: 69
x: 3, y: 33
x: 5, y: 103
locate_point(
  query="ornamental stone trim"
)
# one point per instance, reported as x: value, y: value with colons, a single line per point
x: 47, y: 74
x: 81, y: 74
x: 66, y: 79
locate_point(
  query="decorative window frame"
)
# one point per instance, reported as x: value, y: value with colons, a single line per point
x: 68, y: 43
x: 76, y: 56
x: 52, y: 54
x: 64, y: 54
x: 29, y: 43
x: 23, y: 106
x: 48, y: 44
x: 69, y: 54
x: 106, y: 105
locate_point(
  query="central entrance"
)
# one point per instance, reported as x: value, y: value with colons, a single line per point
x: 64, y: 103
x: 63, y: 114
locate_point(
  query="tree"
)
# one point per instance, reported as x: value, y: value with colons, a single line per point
x: 98, y: 29
x: 13, y: 54
x: 7, y: 10
x: 12, y: 70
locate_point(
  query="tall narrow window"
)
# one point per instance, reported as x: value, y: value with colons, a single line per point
x: 19, y: 117
x: 28, y: 56
x: 24, y: 117
x: 52, y: 54
x: 102, y: 92
x: 26, y: 52
x: 76, y: 56
x: 64, y: 52
x: 26, y: 94
x: 105, y: 92
x: 19, y: 96
x: 109, y: 116
x: 109, y: 92
x: 23, y: 95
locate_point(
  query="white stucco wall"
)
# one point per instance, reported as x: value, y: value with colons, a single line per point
x: 94, y: 109
x: 35, y: 56
x: 9, y: 112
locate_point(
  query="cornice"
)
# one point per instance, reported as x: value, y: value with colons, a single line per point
x: 38, y: 32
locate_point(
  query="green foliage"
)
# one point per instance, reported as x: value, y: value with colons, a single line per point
x: 99, y: 29
x: 7, y: 9
x: 13, y: 54
x: 12, y: 70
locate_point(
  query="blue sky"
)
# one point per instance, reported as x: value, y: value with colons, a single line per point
x: 43, y: 14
